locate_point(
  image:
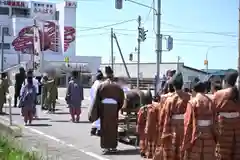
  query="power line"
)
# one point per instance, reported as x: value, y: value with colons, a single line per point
x: 176, y: 39
x: 149, y: 12
x: 200, y: 31
x: 106, y: 26
x: 226, y: 34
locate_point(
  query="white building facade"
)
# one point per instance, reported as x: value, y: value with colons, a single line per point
x: 148, y: 70
x: 57, y: 30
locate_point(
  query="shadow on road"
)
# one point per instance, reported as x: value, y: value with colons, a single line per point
x: 61, y: 113
x: 69, y: 121
x: 42, y: 119
x: 41, y: 125
x: 13, y: 114
x: 83, y: 122
x: 60, y: 121
x: 124, y: 152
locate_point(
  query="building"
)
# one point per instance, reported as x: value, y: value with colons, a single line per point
x: 56, y: 25
x: 148, y: 71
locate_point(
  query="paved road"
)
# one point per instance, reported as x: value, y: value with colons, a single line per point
x: 58, y: 128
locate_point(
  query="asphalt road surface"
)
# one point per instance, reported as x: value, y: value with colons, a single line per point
x: 57, y: 128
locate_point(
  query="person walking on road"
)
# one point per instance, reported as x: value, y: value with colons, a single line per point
x: 19, y: 80
x: 44, y: 91
x: 36, y: 85
x: 74, y: 97
x: 106, y: 105
x: 28, y: 96
x: 99, y: 79
x: 199, y: 140
x: 171, y: 122
x: 227, y: 105
x: 52, y: 92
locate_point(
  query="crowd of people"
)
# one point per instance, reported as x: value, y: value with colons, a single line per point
x: 30, y: 90
x: 178, y: 124
x: 192, y: 125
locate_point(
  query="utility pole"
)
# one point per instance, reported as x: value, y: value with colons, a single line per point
x: 138, y: 52
x: 2, y: 50
x: 178, y: 60
x: 159, y: 43
x: 112, y: 56
x: 239, y: 46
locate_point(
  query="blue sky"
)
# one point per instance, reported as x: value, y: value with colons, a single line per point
x: 209, y: 22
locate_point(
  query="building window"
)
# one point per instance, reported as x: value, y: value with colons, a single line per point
x: 57, y: 15
x: 4, y: 11
x: 5, y: 31
x: 5, y: 46
x: 20, y: 12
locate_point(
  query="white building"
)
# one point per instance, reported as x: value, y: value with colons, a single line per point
x: 57, y: 30
x: 148, y: 70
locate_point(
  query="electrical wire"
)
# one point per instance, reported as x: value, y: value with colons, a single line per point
x: 199, y: 31
x: 149, y: 12
x: 106, y: 26
x: 176, y: 39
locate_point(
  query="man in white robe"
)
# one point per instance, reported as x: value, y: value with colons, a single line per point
x: 99, y: 79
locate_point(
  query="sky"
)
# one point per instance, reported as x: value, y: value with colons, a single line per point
x: 198, y: 27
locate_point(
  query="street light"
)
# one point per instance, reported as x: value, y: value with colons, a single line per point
x: 206, y: 59
x: 157, y: 12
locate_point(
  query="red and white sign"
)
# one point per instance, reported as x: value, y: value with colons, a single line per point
x: 10, y: 3
x: 43, y: 8
x: 70, y: 4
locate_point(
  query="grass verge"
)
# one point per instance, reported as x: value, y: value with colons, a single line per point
x: 11, y: 150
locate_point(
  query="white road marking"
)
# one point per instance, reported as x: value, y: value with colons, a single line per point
x: 91, y: 154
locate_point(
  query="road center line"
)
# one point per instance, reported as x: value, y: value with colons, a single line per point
x: 91, y: 154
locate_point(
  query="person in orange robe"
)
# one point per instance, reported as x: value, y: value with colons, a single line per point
x: 199, y: 140
x: 141, y: 122
x: 151, y: 129
x: 228, y: 107
x: 170, y: 122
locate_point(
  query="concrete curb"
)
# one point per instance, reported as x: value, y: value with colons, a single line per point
x: 5, y: 128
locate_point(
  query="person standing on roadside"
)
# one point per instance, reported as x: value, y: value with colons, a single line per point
x: 19, y: 80
x: 4, y: 85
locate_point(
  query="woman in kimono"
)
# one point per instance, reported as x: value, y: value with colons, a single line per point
x: 36, y: 85
x: 199, y: 140
x: 28, y: 96
x: 74, y: 97
x: 227, y: 105
x: 170, y: 122
x: 99, y: 79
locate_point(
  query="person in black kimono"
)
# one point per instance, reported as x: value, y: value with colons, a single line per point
x: 108, y: 101
x: 19, y: 79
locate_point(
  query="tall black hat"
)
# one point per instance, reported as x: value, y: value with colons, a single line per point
x: 108, y: 70
x: 231, y: 77
x: 176, y: 79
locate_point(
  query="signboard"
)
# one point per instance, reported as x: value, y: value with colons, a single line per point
x: 43, y: 8
x: 70, y: 4
x: 16, y: 4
